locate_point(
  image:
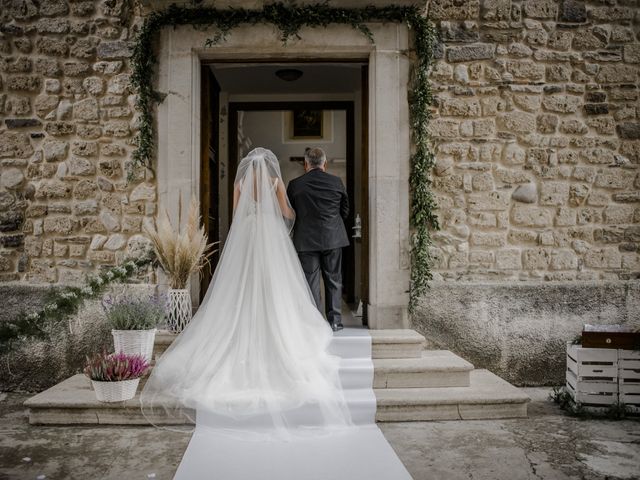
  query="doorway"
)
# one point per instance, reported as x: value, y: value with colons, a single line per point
x: 248, y: 105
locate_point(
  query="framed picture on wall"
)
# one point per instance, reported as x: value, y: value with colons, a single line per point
x: 304, y: 125
x: 307, y: 124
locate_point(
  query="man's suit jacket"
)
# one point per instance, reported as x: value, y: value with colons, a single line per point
x: 321, y: 205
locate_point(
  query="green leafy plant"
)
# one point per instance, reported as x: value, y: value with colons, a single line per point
x: 62, y: 303
x: 615, y: 411
x: 134, y: 313
x: 115, y: 367
x: 290, y: 18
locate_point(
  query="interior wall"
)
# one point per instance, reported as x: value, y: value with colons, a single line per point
x: 266, y: 129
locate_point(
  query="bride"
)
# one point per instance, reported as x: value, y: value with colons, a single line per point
x: 254, y: 355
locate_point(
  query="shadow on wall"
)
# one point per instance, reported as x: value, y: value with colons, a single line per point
x: 519, y: 331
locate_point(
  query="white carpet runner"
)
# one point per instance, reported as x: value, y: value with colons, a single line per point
x: 361, y: 453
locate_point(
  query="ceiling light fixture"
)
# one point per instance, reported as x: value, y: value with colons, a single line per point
x: 289, y: 74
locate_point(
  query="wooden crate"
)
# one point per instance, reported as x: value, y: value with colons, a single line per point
x: 610, y: 336
x: 592, y: 375
x: 629, y: 378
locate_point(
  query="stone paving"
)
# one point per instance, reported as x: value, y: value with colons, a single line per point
x: 548, y: 445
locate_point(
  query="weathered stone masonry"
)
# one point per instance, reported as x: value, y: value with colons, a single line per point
x: 537, y: 138
x: 68, y: 117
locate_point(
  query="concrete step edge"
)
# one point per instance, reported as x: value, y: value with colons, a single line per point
x: 430, y: 361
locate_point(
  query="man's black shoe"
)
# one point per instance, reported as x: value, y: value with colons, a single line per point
x: 336, y: 326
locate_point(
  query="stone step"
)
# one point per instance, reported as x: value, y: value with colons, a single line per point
x: 487, y: 397
x: 73, y: 402
x: 401, y: 343
x: 435, y: 368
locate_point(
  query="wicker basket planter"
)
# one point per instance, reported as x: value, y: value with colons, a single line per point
x: 134, y: 342
x: 115, y: 391
x: 179, y: 314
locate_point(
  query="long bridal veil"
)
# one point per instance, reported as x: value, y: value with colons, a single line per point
x: 255, y: 353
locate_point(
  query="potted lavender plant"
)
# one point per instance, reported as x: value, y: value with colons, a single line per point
x: 134, y: 321
x: 115, y: 377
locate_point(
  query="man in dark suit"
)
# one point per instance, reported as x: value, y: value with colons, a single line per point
x: 321, y: 205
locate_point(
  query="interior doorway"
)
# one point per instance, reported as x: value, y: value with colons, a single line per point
x: 288, y: 107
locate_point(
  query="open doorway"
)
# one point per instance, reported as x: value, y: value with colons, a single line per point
x: 287, y: 108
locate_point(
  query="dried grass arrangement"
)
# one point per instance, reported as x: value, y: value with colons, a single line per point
x: 181, y: 252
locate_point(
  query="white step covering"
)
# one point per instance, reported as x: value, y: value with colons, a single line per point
x: 360, y: 453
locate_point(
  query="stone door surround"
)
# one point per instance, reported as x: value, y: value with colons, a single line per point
x: 181, y: 51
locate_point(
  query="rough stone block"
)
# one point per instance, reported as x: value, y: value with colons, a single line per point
x: 572, y: 11
x: 61, y: 225
x: 114, y: 50
x: 11, y: 221
x: 26, y: 83
x: 454, y: 9
x: 563, y: 260
x: 469, y: 53
x: 532, y: 216
x: 629, y: 131
x: 460, y: 107
x: 508, y: 259
x: 526, y: 69
x: 554, y: 193
x: 86, y: 109
x: 615, y: 178
x: 15, y: 144
x: 85, y: 189
x: 607, y: 257
x: 488, y: 239
x: 617, y: 74
x: 517, y: 122
x: 618, y: 214
x: 52, y: 46
x: 536, y: 259
x: 498, y: 200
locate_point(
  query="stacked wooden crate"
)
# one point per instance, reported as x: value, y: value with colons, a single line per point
x: 599, y: 377
x: 592, y: 375
x: 629, y: 379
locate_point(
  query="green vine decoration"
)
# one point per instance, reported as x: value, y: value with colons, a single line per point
x: 62, y: 303
x: 289, y: 20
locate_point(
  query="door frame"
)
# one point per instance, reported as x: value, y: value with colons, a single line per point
x: 349, y: 107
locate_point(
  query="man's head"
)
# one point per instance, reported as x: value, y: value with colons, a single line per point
x: 315, y: 158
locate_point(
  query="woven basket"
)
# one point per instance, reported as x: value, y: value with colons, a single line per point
x: 134, y: 342
x: 115, y: 391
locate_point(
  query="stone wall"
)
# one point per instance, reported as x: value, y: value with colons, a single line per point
x: 67, y: 116
x: 535, y: 128
x: 538, y: 140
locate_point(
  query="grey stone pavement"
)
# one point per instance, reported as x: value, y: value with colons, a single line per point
x: 547, y: 445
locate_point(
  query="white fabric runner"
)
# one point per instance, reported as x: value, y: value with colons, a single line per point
x: 360, y: 453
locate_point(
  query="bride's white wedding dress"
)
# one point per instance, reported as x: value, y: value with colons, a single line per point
x: 252, y: 369
x: 257, y: 345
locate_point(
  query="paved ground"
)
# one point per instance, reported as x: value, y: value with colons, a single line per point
x: 547, y: 445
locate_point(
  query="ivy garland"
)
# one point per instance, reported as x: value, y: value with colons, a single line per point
x: 62, y: 303
x: 289, y: 19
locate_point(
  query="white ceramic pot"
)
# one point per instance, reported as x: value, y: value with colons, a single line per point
x: 115, y: 391
x: 134, y: 342
x: 179, y: 309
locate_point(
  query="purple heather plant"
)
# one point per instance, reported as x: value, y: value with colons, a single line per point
x: 115, y: 367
